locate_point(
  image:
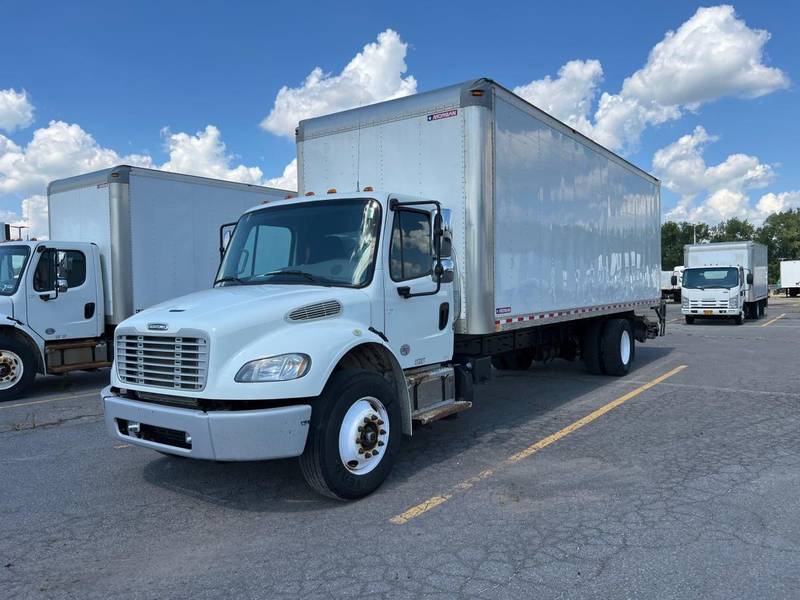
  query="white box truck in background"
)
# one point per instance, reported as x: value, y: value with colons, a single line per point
x: 341, y: 319
x: 671, y: 283
x: 122, y: 239
x: 790, y: 277
x: 727, y: 279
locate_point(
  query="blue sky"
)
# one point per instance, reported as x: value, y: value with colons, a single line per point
x: 146, y: 77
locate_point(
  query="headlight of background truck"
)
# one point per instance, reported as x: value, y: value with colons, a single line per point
x: 274, y: 368
x: 733, y: 303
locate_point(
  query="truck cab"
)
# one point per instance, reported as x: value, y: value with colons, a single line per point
x: 715, y: 291
x: 51, y: 299
x: 330, y: 303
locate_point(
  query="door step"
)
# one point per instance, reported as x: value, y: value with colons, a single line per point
x: 430, y: 415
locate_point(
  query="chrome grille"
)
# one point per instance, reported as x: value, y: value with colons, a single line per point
x: 708, y: 303
x: 179, y: 363
x: 319, y: 310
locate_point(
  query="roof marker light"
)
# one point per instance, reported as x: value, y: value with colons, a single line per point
x: 368, y: 189
x: 309, y: 193
x: 332, y: 191
x: 476, y: 92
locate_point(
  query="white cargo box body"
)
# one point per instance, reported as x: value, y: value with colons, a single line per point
x: 790, y: 274
x: 158, y: 232
x: 751, y: 256
x: 666, y: 280
x: 549, y: 225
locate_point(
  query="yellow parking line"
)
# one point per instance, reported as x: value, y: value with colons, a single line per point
x: 86, y: 395
x: 773, y: 320
x: 433, y: 502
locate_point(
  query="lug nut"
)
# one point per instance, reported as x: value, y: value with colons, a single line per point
x: 374, y: 417
x: 366, y: 420
x: 382, y: 432
x: 368, y: 455
x: 380, y: 443
x: 374, y: 453
x: 360, y: 429
x: 361, y: 451
x: 380, y: 422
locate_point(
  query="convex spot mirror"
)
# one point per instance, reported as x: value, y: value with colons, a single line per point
x: 444, y: 271
x: 61, y: 285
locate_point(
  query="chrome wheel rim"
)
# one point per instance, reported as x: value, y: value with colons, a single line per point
x: 625, y: 347
x: 364, y: 435
x: 11, y: 369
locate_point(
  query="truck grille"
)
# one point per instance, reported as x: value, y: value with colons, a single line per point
x: 179, y: 363
x: 708, y: 303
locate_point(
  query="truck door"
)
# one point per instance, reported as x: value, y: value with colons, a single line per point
x: 62, y: 294
x: 418, y: 328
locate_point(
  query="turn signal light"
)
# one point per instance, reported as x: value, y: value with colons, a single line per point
x: 368, y: 189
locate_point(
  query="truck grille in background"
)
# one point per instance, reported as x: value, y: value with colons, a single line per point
x: 708, y: 304
x: 179, y: 363
x: 320, y: 310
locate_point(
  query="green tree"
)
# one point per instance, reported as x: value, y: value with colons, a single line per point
x: 781, y: 235
x: 733, y: 230
x: 674, y: 236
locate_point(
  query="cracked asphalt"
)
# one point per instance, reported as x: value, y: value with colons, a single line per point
x: 689, y: 489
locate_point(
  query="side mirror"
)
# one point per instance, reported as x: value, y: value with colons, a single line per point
x: 674, y: 280
x: 61, y: 285
x: 749, y: 279
x: 444, y: 271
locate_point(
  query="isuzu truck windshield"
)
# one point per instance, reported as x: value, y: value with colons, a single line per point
x: 711, y: 277
x: 12, y: 265
x: 329, y: 243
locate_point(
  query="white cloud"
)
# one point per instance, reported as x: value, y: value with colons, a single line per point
x: 569, y: 97
x: 373, y: 75
x: 204, y: 154
x: 16, y: 111
x: 683, y: 170
x: 56, y: 151
x: 711, y: 55
x: 286, y: 181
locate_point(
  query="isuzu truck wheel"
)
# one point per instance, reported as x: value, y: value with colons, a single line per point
x: 17, y: 368
x: 618, y: 347
x: 354, y: 437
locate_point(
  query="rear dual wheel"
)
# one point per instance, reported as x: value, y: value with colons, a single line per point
x: 609, y: 347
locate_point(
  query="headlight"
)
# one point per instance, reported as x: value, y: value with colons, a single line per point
x: 274, y: 368
x: 733, y: 303
x: 684, y: 302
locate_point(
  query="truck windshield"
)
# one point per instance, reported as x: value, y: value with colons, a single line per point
x: 711, y: 277
x: 12, y: 264
x: 331, y: 242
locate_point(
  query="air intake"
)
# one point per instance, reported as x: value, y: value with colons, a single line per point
x: 319, y: 310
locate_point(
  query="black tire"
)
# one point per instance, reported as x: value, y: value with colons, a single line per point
x: 689, y: 320
x: 738, y: 319
x: 590, y: 348
x: 611, y: 347
x: 516, y: 360
x: 28, y: 364
x: 321, y: 463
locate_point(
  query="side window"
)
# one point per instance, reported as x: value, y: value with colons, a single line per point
x: 61, y: 264
x: 72, y: 267
x: 411, y: 250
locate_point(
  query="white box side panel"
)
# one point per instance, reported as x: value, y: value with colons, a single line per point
x: 790, y: 273
x: 175, y: 234
x: 414, y: 156
x: 572, y: 228
x: 83, y: 215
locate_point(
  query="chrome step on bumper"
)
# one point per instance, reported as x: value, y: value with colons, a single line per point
x: 435, y: 413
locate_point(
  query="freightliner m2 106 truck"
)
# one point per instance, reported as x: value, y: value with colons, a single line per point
x: 123, y: 239
x: 724, y: 280
x: 340, y: 321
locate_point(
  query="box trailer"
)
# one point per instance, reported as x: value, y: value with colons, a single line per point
x: 790, y: 277
x: 437, y: 235
x: 671, y: 283
x: 727, y: 279
x: 122, y: 239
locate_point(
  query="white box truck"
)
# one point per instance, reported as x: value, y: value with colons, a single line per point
x: 122, y: 239
x: 671, y: 283
x: 790, y: 277
x: 342, y: 319
x: 724, y: 280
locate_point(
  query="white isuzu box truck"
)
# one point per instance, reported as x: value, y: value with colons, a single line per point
x: 790, y: 277
x: 727, y: 279
x: 123, y: 239
x: 341, y: 319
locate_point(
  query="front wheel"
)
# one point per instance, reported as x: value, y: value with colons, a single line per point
x: 738, y: 319
x: 689, y: 320
x: 354, y: 437
x: 17, y: 368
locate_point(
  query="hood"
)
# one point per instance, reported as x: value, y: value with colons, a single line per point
x: 241, y: 308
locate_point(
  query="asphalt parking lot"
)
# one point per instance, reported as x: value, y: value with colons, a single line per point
x: 678, y: 481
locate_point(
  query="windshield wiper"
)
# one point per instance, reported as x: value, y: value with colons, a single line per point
x: 228, y: 279
x: 305, y: 274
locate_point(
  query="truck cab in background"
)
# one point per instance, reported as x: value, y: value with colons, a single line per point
x: 51, y: 317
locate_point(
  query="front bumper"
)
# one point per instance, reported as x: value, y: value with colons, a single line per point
x: 225, y: 435
x: 710, y: 312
